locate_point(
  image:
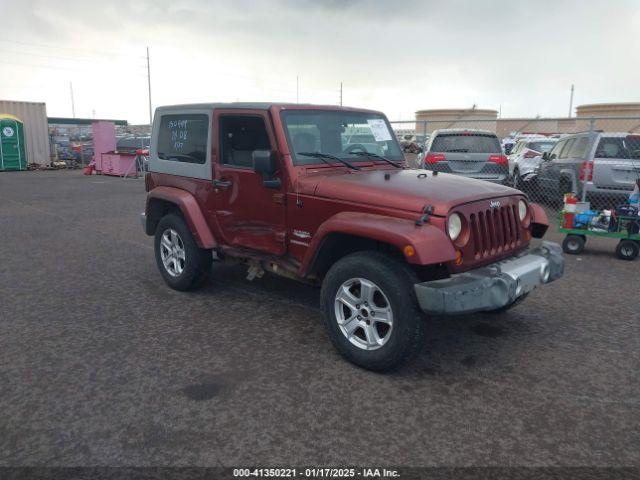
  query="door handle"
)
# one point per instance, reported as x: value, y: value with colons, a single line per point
x: 222, y: 183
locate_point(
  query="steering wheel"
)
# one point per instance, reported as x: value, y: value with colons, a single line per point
x: 354, y: 147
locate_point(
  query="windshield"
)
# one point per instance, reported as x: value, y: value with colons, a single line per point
x: 339, y: 133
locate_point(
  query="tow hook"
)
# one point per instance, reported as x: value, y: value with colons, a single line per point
x: 428, y: 211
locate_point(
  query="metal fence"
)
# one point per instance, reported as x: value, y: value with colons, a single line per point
x: 596, y: 158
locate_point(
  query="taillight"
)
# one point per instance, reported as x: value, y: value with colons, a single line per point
x: 586, y: 165
x: 499, y: 159
x: 531, y: 154
x: 432, y: 158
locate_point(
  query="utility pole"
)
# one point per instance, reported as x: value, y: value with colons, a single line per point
x: 340, y: 93
x: 571, y: 102
x: 297, y: 89
x: 149, y: 87
x: 73, y: 105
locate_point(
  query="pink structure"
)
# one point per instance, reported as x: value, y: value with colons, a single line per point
x: 120, y: 164
x: 104, y: 140
x: 107, y: 161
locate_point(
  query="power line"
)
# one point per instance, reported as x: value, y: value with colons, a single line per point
x: 72, y: 59
x: 54, y: 67
x: 58, y: 47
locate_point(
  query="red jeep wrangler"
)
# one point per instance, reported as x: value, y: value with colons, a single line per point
x: 321, y: 194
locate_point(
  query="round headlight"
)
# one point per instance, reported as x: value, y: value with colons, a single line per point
x: 454, y: 226
x: 522, y: 209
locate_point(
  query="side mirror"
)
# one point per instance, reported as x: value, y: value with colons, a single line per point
x: 264, y: 162
x: 545, y: 156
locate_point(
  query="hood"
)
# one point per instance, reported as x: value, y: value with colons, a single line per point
x: 409, y: 190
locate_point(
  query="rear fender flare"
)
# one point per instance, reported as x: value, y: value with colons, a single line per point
x: 190, y: 210
x: 431, y: 245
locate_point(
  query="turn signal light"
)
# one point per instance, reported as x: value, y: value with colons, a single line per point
x: 458, y: 260
x: 409, y: 251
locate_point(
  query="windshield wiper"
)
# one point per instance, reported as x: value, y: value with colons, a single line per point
x: 325, y: 156
x: 375, y: 155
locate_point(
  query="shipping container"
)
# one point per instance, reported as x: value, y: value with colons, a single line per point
x: 12, y: 152
x: 33, y: 115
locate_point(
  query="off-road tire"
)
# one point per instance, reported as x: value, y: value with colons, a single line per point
x: 197, y: 262
x: 627, y: 249
x: 573, y: 244
x: 395, y: 279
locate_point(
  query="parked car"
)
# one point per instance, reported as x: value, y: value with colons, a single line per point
x: 526, y: 156
x: 470, y: 153
x: 275, y: 188
x: 605, y: 165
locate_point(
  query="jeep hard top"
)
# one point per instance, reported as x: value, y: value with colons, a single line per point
x: 322, y: 194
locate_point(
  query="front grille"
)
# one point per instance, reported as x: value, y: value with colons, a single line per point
x: 495, y: 230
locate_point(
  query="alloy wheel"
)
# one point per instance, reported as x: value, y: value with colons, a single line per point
x: 363, y: 313
x: 172, y: 252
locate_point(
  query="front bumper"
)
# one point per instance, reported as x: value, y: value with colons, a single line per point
x: 494, y: 286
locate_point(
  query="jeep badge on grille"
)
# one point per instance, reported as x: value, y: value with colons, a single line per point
x: 494, y: 204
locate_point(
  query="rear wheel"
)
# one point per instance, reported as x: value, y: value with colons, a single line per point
x: 627, y: 249
x: 370, y: 311
x: 574, y: 244
x: 183, y: 265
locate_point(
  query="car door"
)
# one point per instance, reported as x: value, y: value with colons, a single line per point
x: 547, y: 180
x: 248, y: 213
x: 572, y: 167
x: 616, y: 163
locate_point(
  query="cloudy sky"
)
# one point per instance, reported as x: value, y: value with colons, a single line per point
x: 397, y: 56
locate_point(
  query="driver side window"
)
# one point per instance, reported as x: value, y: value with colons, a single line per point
x: 240, y: 136
x: 553, y: 154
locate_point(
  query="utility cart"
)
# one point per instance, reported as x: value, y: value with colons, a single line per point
x: 624, y: 228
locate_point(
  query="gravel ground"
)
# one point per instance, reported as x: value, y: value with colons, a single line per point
x: 102, y: 364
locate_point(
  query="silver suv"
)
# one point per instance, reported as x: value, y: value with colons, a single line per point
x: 471, y: 153
x: 603, y: 165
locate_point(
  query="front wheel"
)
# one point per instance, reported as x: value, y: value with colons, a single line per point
x: 183, y: 265
x: 574, y: 244
x: 370, y: 311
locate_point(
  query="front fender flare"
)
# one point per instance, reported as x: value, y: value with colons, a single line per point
x: 190, y: 211
x: 539, y: 220
x: 431, y: 245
